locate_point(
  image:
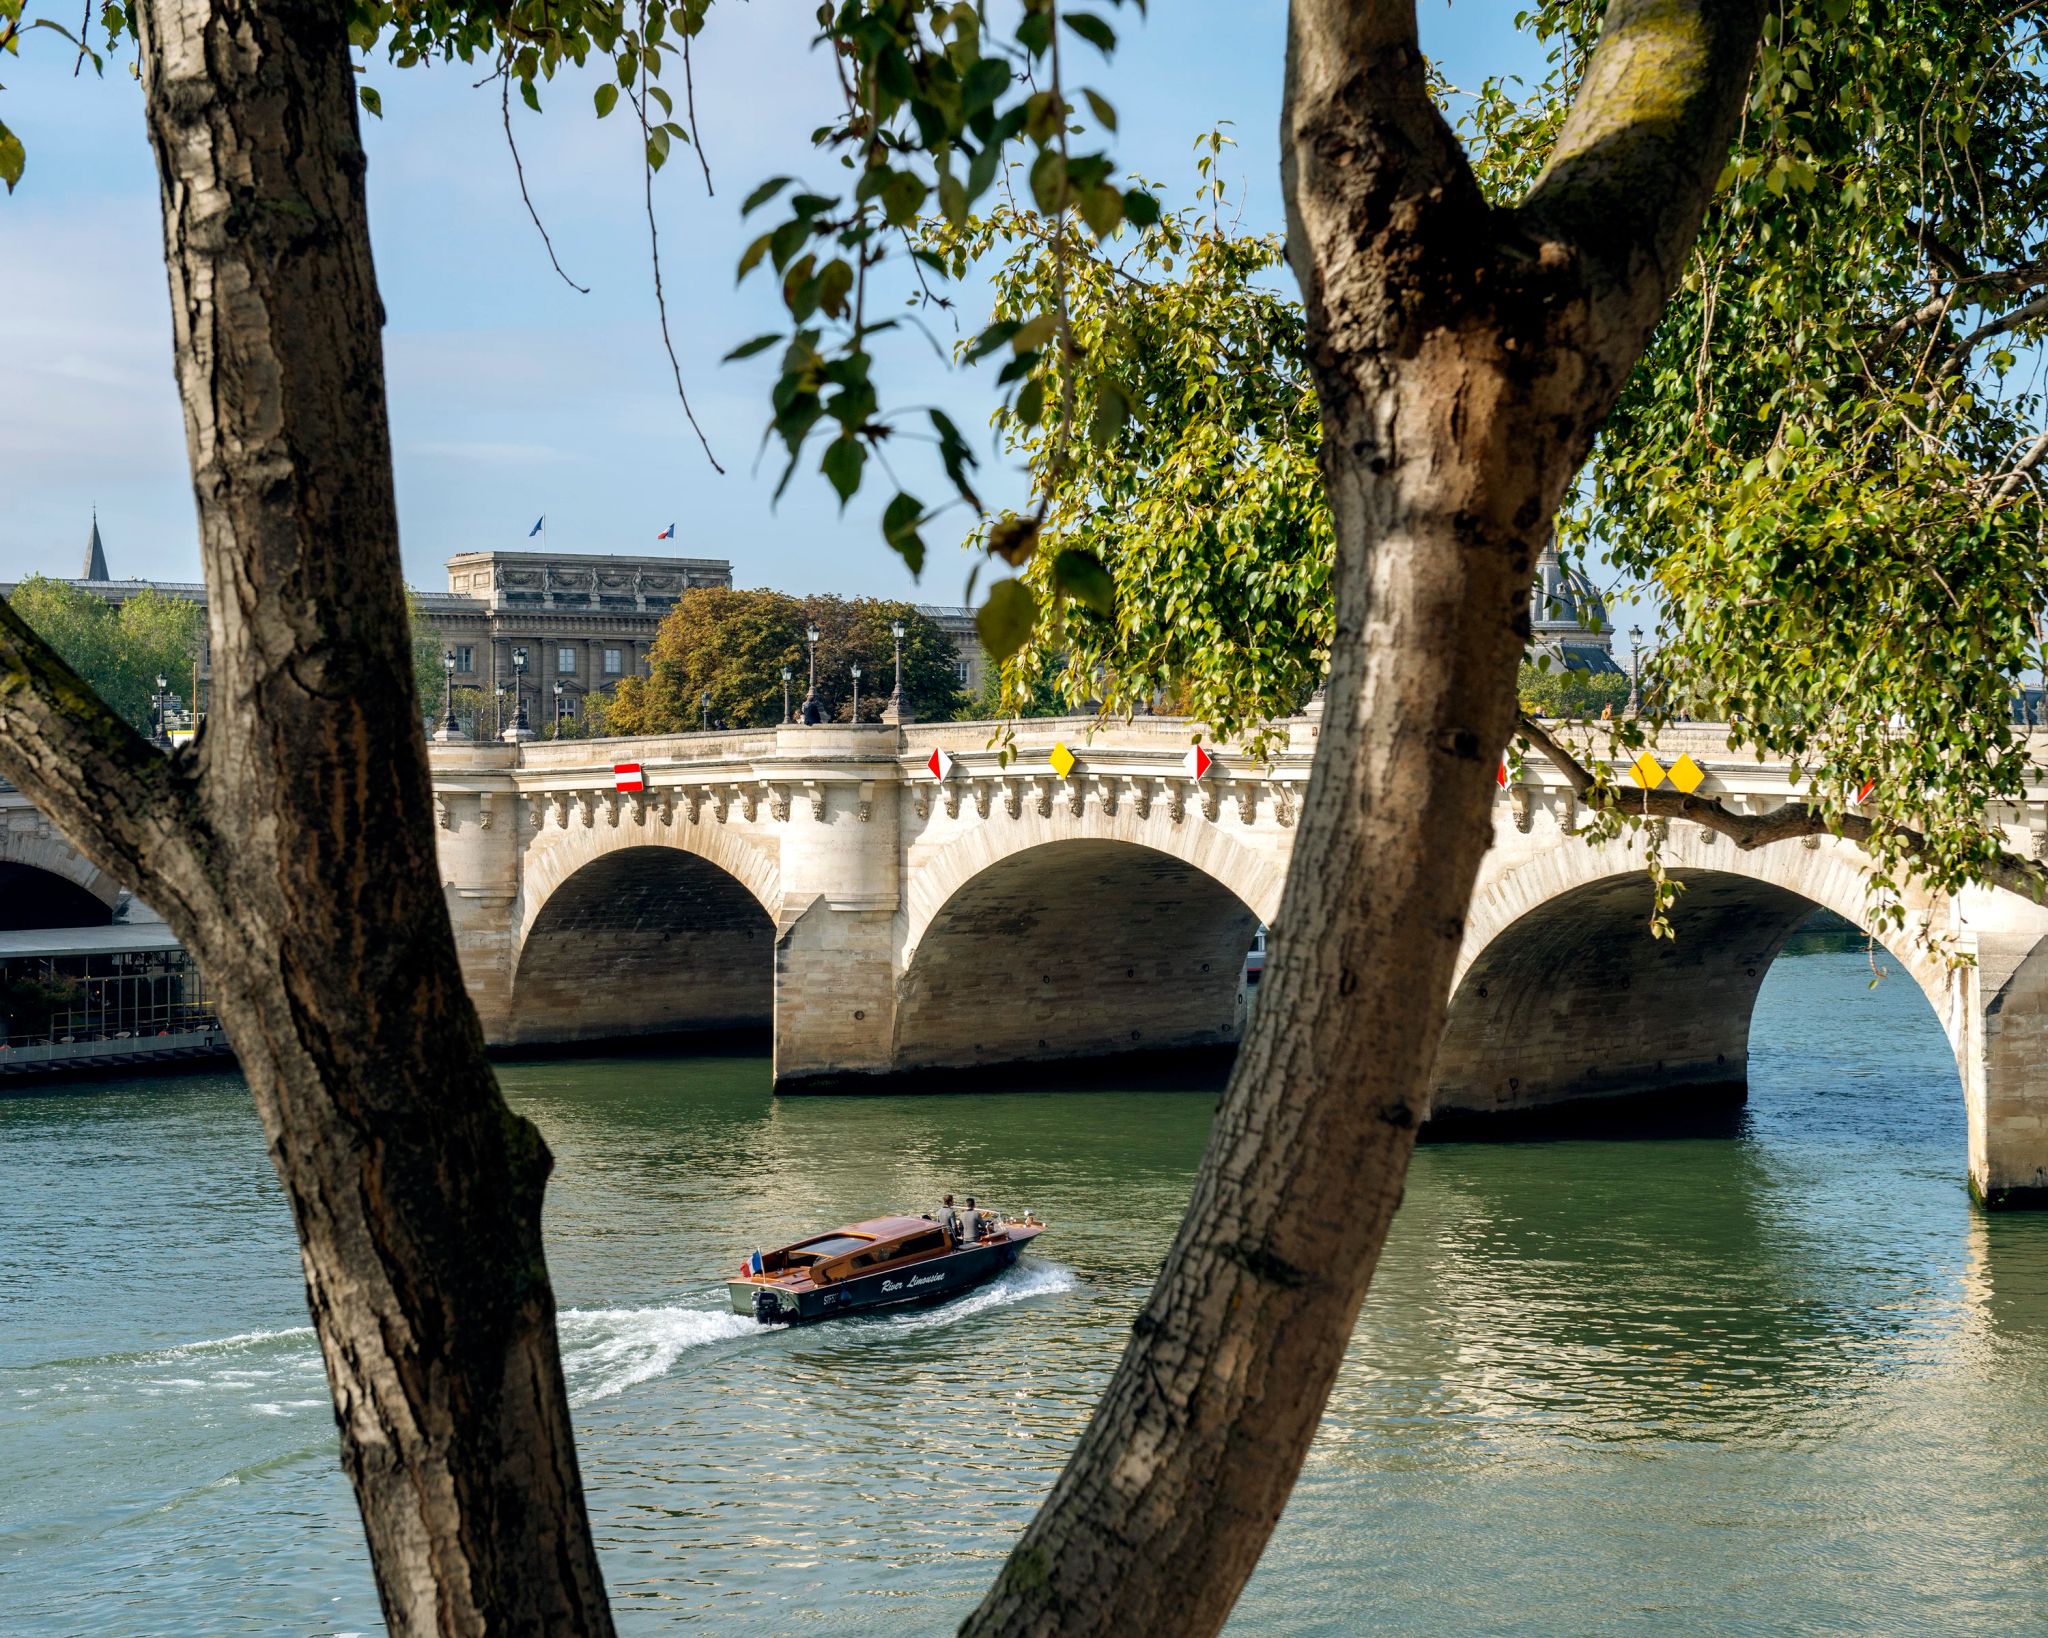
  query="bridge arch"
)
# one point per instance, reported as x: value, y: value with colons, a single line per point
x: 1562, y: 995
x: 641, y: 938
x: 1251, y: 876
x: 45, y: 882
x: 1077, y: 948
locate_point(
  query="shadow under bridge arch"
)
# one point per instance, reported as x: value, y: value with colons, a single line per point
x: 645, y: 941
x: 1076, y: 949
x: 1569, y: 1007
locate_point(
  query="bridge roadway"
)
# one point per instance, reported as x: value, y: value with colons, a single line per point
x: 820, y: 883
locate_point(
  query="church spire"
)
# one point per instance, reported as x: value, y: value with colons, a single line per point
x: 95, y: 553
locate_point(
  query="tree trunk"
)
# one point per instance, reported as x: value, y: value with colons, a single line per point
x: 293, y: 848
x: 1464, y: 356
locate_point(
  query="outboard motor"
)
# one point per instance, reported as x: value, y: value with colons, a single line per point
x: 767, y: 1308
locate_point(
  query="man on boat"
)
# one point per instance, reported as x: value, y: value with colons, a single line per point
x: 949, y: 1219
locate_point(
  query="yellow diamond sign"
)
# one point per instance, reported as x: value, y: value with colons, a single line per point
x: 1062, y: 760
x: 1646, y: 771
x: 1686, y: 774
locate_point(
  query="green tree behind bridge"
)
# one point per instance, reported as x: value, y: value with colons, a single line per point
x: 733, y: 646
x: 120, y: 649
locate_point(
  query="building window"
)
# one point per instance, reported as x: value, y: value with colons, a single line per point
x: 613, y: 662
x: 568, y: 705
x: 465, y: 661
x: 565, y: 661
x: 964, y: 671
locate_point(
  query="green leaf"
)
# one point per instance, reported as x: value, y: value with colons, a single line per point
x: 1142, y: 208
x: 1082, y: 577
x: 1092, y: 29
x: 765, y: 192
x: 1105, y: 114
x: 367, y: 96
x: 606, y: 98
x: 902, y: 197
x: 747, y: 349
x: 13, y: 158
x: 899, y: 527
x: 1004, y: 622
x: 844, y: 458
x: 1013, y: 538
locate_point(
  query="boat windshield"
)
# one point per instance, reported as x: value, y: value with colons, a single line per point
x: 830, y: 1245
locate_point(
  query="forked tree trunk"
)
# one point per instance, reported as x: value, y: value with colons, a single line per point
x: 1465, y: 357
x: 293, y: 850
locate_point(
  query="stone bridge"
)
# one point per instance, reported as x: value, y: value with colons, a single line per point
x: 821, y: 884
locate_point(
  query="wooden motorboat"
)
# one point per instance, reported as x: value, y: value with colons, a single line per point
x: 885, y: 1262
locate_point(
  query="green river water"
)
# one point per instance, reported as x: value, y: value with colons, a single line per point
x: 1780, y: 1378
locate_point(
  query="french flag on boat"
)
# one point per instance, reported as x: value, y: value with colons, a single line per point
x: 626, y: 777
x: 667, y: 534
x: 754, y: 1265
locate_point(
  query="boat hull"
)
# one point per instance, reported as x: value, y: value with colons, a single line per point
x: 929, y: 1280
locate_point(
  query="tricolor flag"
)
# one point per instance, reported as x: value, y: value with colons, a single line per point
x: 1863, y: 795
x: 667, y: 534
x: 626, y: 777
x: 1198, y: 762
x: 539, y: 523
x: 940, y: 764
x: 1500, y: 775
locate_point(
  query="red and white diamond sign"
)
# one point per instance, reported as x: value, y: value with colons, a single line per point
x: 1198, y: 762
x: 940, y: 764
x: 626, y: 776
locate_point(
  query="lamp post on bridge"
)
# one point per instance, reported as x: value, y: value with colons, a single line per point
x: 558, y: 710
x: 856, y: 692
x: 704, y: 705
x: 893, y: 713
x: 785, y: 694
x: 811, y: 637
x: 163, y: 725
x: 519, y: 732
x: 1635, y: 670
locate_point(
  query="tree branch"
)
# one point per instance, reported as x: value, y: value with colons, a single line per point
x: 129, y: 808
x: 1749, y: 831
x: 1629, y: 179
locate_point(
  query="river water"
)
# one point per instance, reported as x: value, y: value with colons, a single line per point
x: 1779, y: 1378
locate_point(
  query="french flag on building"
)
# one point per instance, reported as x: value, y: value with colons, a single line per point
x: 667, y: 534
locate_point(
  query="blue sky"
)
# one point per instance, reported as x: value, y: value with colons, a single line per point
x: 512, y: 395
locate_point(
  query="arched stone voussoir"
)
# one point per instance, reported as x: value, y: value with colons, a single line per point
x: 1564, y: 997
x: 46, y: 851
x: 558, y: 854
x: 935, y: 878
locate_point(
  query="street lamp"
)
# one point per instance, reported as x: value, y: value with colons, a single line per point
x: 1635, y: 670
x: 498, y: 710
x: 448, y: 724
x: 811, y: 637
x: 894, y: 713
x: 704, y: 705
x: 163, y: 727
x: 520, y: 731
x: 856, y: 693
x: 558, y: 710
x: 785, y: 693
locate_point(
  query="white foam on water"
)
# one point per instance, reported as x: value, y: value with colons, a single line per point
x: 1018, y: 1284
x: 235, y: 1344
x: 605, y: 1351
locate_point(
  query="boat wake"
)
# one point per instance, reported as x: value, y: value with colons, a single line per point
x: 1013, y: 1285
x: 605, y: 1351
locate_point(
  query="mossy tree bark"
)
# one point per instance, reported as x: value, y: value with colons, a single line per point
x: 1464, y: 355
x: 292, y: 847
